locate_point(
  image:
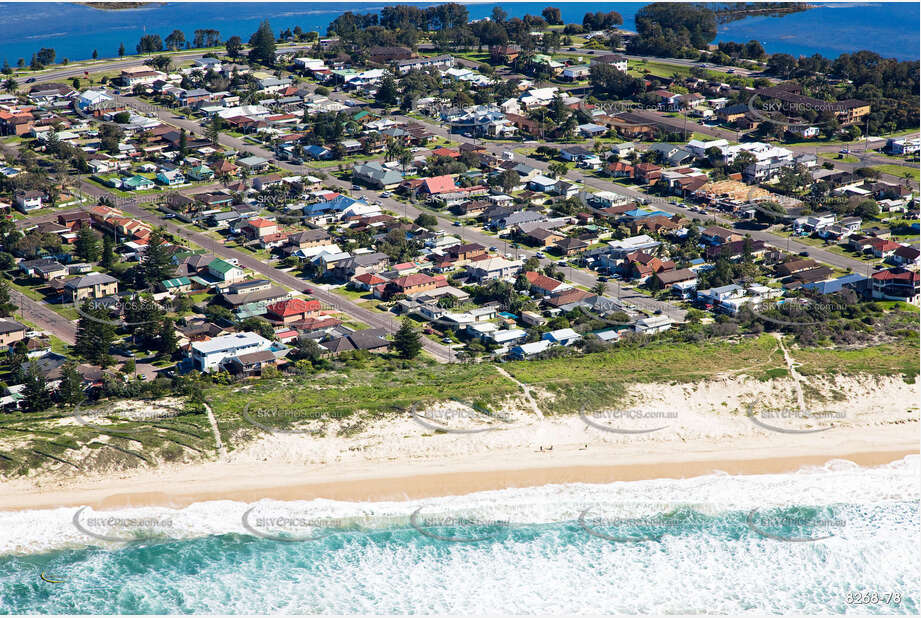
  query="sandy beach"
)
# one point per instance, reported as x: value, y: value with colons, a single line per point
x: 179, y: 486
x: 684, y: 431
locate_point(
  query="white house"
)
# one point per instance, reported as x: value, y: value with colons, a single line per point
x: 652, y: 325
x: 208, y: 355
x: 171, y: 178
x: 562, y: 336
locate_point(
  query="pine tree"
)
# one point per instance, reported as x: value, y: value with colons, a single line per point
x: 168, y: 343
x: 388, y: 94
x: 183, y: 144
x: 95, y: 54
x: 35, y: 394
x: 121, y: 50
x: 70, y: 389
x: 262, y: 45
x: 87, y: 245
x: 407, y: 341
x: 95, y: 334
x: 157, y: 265
x: 6, y: 305
x: 108, y: 252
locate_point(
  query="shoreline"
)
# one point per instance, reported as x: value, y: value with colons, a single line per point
x: 378, y: 481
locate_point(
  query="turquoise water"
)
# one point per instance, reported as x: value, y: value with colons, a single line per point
x: 715, y: 544
x: 74, y: 31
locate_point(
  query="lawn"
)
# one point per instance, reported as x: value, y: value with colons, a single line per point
x: 837, y: 157
x: 899, y: 170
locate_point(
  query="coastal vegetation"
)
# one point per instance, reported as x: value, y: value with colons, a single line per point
x: 369, y: 386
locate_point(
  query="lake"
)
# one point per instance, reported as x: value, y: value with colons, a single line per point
x: 74, y: 31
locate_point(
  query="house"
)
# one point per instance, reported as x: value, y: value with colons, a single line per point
x: 529, y: 350
x: 716, y: 235
x: 906, y: 255
x: 615, y: 60
x: 225, y: 271
x: 571, y: 246
x: 201, y: 172
x: 647, y: 173
x: 27, y: 201
x: 415, y: 64
x: 653, y: 325
x: 138, y: 183
x: 250, y: 363
x: 682, y: 281
x: 259, y: 228
x: 375, y: 175
x: 883, y: 248
x: 494, y: 268
x: 543, y: 238
x: 895, y: 284
x: 253, y: 164
x: 178, y: 285
x: 544, y: 285
x: 371, y: 340
x: 563, y: 336
x: 294, y: 310
x: 575, y: 73
x: 171, y: 178
x: 95, y: 285
x: 11, y: 331
x: 208, y: 355
x: 45, y: 268
x: 575, y: 153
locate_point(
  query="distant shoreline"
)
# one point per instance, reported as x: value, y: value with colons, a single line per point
x: 116, y: 6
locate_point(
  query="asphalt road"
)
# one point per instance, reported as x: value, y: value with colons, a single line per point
x: 215, y: 247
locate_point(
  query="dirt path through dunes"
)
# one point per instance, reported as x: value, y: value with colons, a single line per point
x: 525, y: 388
x: 222, y: 452
x: 797, y: 378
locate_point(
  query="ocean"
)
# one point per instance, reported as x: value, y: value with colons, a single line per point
x: 74, y: 31
x: 831, y: 539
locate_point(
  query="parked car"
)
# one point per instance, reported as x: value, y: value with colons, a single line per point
x: 457, y: 224
x: 539, y: 254
x: 804, y: 253
x: 385, y: 194
x: 356, y: 188
x: 493, y: 249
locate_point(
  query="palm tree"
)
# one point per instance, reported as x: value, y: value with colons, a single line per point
x: 405, y: 157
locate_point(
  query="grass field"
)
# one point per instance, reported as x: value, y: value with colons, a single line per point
x: 899, y: 170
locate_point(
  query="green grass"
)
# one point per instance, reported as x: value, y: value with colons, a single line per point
x: 837, y: 157
x: 899, y: 170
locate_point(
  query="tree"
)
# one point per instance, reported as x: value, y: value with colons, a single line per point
x: 407, y: 341
x: 70, y: 388
x: 108, y: 252
x: 157, y: 265
x: 35, y: 394
x: 149, y: 43
x: 183, y: 144
x: 175, y: 40
x: 95, y: 54
x: 10, y: 85
x: 427, y: 221
x: 387, y: 93
x: 6, y: 304
x: 121, y: 50
x: 552, y: 16
x: 95, y: 334
x: 168, y: 343
x: 234, y: 46
x: 262, y: 45
x: 87, y: 245
x: 867, y: 209
x: 557, y: 169
x: 599, y: 288
x: 213, y: 132
x: 45, y: 56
